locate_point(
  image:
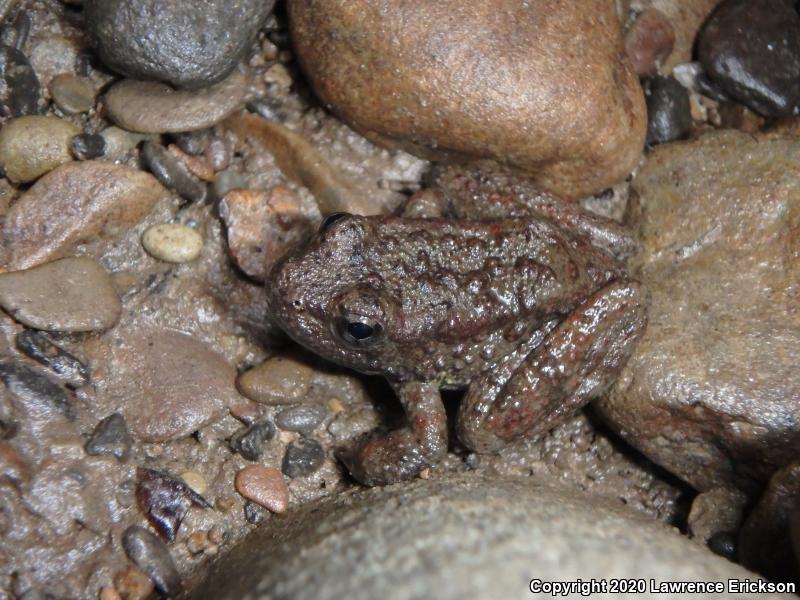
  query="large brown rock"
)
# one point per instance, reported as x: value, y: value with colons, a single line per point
x: 712, y: 391
x: 544, y: 85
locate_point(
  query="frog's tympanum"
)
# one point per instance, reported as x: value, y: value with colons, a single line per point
x: 525, y: 302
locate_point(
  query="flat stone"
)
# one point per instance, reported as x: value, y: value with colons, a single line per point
x: 751, y: 50
x: 78, y: 201
x: 464, y: 536
x: 544, y: 86
x: 188, y: 45
x: 264, y: 486
x: 71, y: 294
x: 172, y: 242
x: 167, y: 384
x: 152, y: 556
x: 278, y: 380
x: 301, y: 419
x: 72, y: 94
x: 150, y: 107
x: 710, y: 391
x: 32, y: 146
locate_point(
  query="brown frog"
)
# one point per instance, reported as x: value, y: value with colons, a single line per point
x: 517, y: 296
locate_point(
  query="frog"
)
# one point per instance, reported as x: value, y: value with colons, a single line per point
x: 484, y: 283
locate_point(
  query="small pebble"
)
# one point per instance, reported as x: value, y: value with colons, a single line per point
x: 335, y: 406
x: 110, y: 436
x: 302, y: 419
x: 72, y: 94
x: 303, y: 457
x: 40, y: 348
x: 254, y: 513
x: 649, y: 41
x: 132, y: 584
x: 195, y: 481
x: 751, y: 49
x: 193, y: 142
x: 264, y: 486
x: 165, y: 499
x: 172, y: 242
x: 35, y: 392
x: 71, y: 295
x: 119, y: 142
x: 152, y: 556
x: 87, y: 146
x: 20, y: 92
x: 278, y: 380
x: 249, y: 441
x: 668, y: 112
x: 218, y: 155
x: 724, y: 544
x: 197, y: 166
x: 32, y: 146
x: 110, y: 593
x: 172, y: 173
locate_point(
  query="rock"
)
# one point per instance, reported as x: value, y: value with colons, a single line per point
x: 110, y: 436
x: 20, y: 92
x: 40, y: 348
x: 710, y: 391
x: 302, y: 458
x: 88, y: 146
x: 262, y: 225
x: 172, y: 242
x: 195, y: 481
x: 71, y: 294
x: 119, y: 142
x: 254, y: 513
x: 302, y: 419
x: 149, y: 107
x: 466, y: 537
x: 649, y: 41
x: 264, y: 486
x: 32, y: 146
x: 92, y: 199
x: 167, y: 384
x: 193, y: 142
x: 196, y: 166
x: 172, y: 173
x: 249, y: 441
x: 131, y: 584
x: 72, y: 94
x: 751, y: 49
x: 165, y: 499
x: 668, y: 114
x: 765, y: 540
x: 543, y: 86
x: 186, y: 45
x: 150, y: 554
x: 37, y: 395
x: 278, y: 380
x: 686, y: 18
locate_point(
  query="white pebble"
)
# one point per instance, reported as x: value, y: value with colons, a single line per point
x: 172, y: 242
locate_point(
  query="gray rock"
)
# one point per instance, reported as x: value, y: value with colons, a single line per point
x: 40, y: 348
x: 187, y: 44
x: 668, y: 113
x: 20, y: 91
x: 302, y: 458
x: 110, y: 436
x: 35, y: 392
x: 152, y: 556
x: 302, y: 419
x: 463, y: 537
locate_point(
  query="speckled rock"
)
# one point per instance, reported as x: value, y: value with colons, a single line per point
x: 172, y: 242
x: 91, y: 199
x: 467, y: 537
x: 751, y: 49
x: 165, y: 383
x: 710, y: 392
x: 544, y: 86
x: 278, y: 380
x: 71, y: 294
x: 188, y: 45
x: 32, y: 146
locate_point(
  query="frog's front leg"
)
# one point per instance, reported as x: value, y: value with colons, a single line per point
x: 575, y: 362
x: 403, y: 453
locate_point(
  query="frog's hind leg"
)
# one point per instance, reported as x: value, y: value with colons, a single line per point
x: 577, y: 361
x: 403, y: 453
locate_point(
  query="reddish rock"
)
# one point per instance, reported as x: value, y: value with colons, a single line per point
x: 649, y: 41
x: 264, y: 486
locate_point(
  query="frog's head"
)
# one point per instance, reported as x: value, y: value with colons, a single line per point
x: 328, y: 296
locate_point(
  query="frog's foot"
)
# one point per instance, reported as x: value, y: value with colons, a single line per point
x: 403, y: 453
x: 576, y: 362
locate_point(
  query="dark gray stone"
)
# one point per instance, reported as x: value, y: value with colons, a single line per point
x: 34, y: 391
x: 87, y: 146
x: 38, y: 346
x: 20, y: 92
x: 249, y: 442
x: 110, y: 436
x: 303, y: 457
x: 751, y: 49
x: 186, y: 44
x: 668, y: 113
x: 152, y: 556
x: 462, y: 537
x: 171, y: 172
x: 302, y: 419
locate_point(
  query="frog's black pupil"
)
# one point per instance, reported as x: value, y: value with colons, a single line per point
x: 331, y: 219
x: 360, y: 331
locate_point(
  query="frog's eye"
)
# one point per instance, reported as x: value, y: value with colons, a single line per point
x: 358, y: 330
x: 331, y: 219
